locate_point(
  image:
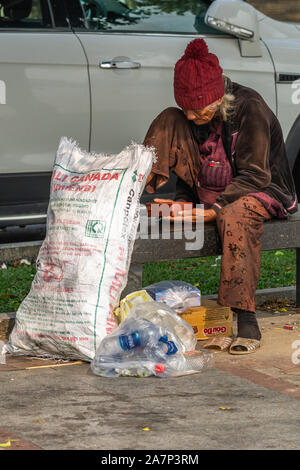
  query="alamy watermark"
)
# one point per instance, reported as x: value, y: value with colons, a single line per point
x: 296, y: 94
x: 2, y: 352
x: 2, y: 92
x: 165, y: 223
x: 296, y: 354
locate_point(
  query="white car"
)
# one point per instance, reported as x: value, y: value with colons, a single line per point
x: 99, y: 71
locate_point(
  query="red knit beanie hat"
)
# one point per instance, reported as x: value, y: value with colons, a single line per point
x: 198, y: 78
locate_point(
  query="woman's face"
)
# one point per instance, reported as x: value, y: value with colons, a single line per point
x: 202, y: 116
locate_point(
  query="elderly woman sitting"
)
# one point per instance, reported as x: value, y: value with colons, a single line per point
x: 226, y: 147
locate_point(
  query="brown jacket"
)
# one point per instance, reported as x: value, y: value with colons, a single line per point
x: 253, y: 142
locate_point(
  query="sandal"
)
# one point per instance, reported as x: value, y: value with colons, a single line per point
x: 218, y: 343
x: 244, y: 346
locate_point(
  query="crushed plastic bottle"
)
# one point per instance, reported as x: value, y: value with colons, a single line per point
x: 185, y: 364
x: 137, y: 334
x: 138, y: 345
x: 141, y: 348
x: 164, y: 316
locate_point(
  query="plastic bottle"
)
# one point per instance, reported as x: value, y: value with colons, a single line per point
x: 138, y: 348
x: 183, y: 364
x: 137, y: 334
x: 163, y: 316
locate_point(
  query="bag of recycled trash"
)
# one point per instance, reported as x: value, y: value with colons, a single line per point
x: 164, y: 316
x: 83, y: 263
x: 178, y: 295
x: 141, y: 348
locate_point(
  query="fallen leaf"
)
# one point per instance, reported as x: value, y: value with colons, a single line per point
x: 39, y: 420
x: 224, y: 408
x: 146, y: 429
x: 8, y: 443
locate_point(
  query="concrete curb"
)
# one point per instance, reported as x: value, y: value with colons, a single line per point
x: 262, y: 295
x: 15, y: 251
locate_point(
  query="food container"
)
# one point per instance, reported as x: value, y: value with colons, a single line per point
x: 209, y: 319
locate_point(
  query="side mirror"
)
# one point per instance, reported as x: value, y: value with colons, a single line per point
x: 239, y: 19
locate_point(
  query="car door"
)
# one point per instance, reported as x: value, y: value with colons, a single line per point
x: 44, y: 94
x: 132, y: 47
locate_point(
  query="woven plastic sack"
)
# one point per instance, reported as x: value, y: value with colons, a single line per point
x: 83, y: 263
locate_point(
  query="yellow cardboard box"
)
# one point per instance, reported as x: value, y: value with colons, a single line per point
x: 210, y: 319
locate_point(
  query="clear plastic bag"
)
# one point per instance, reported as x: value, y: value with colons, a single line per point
x: 178, y: 295
x: 128, y: 303
x: 162, y: 315
x: 135, y: 343
x: 141, y: 348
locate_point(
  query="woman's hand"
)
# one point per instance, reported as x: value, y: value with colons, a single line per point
x: 193, y: 215
x: 188, y: 215
x: 174, y: 207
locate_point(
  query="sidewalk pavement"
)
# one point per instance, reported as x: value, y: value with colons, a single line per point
x: 242, y: 402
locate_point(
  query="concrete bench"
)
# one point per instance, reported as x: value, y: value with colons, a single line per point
x: 278, y: 235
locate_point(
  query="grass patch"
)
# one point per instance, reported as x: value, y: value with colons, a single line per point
x: 278, y: 269
x: 15, y: 284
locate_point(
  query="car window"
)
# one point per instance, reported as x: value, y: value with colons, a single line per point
x: 147, y: 16
x: 60, y: 16
x: 25, y: 14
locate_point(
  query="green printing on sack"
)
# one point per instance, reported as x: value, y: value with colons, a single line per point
x: 95, y: 228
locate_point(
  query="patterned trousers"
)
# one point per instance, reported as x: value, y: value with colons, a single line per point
x: 241, y: 225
